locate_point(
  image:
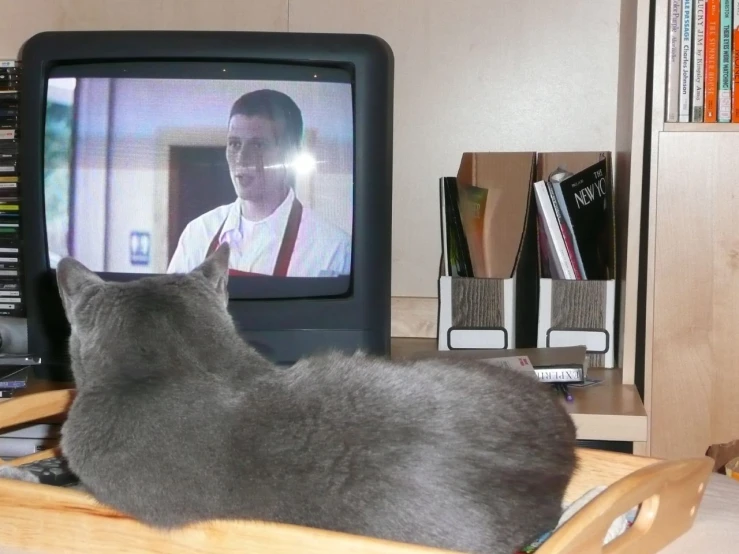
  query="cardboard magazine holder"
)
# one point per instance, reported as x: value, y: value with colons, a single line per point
x: 578, y: 312
x: 498, y: 309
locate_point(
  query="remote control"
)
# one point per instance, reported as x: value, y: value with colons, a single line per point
x: 52, y: 471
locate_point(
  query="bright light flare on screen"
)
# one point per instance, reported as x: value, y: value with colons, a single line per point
x: 304, y: 163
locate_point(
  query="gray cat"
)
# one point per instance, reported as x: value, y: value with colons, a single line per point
x: 178, y: 420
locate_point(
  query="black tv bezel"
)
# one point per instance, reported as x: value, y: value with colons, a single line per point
x: 360, y: 319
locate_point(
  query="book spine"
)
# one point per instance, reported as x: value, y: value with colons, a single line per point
x: 569, y: 375
x: 673, y: 62
x: 559, y: 197
x: 7, y: 385
x: 555, y: 239
x: 457, y: 253
x: 725, y: 73
x: 547, y: 267
x: 699, y: 48
x: 713, y: 23
x: 14, y: 447
x: 472, y: 204
x: 686, y: 45
x: 445, y: 261
x: 735, y: 80
x: 43, y: 431
x: 11, y: 303
x: 567, y: 233
x: 543, y: 374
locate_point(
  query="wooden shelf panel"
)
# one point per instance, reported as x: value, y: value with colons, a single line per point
x: 610, y: 411
x: 701, y: 128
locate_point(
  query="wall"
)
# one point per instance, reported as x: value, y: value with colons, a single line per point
x: 470, y: 75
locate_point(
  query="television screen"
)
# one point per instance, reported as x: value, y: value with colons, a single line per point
x: 149, y: 166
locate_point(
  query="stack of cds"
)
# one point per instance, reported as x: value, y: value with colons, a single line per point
x: 11, y: 300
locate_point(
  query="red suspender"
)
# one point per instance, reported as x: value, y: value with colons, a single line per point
x: 287, y: 247
x: 214, y: 242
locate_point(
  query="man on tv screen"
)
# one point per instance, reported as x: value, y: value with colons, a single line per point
x: 268, y: 229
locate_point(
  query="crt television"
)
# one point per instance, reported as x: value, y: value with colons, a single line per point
x: 144, y: 150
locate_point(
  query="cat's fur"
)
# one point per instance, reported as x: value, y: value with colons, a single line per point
x: 178, y: 420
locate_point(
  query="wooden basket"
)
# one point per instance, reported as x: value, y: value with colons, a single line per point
x: 43, y: 518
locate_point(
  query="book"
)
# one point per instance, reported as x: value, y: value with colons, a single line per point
x: 735, y: 75
x: 33, y: 431
x: 725, y: 58
x: 557, y: 364
x: 455, y: 252
x: 12, y: 447
x: 560, y: 208
x: 566, y: 230
x: 686, y: 47
x: 699, y: 47
x: 11, y: 294
x: 548, y: 266
x: 587, y: 198
x: 559, y: 254
x: 472, y: 202
x: 673, y: 62
x: 496, y: 224
x: 445, y: 269
x: 18, y: 360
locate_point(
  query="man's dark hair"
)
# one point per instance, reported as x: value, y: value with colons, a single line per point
x: 273, y: 105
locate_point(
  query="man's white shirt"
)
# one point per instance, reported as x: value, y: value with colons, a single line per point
x: 321, y: 249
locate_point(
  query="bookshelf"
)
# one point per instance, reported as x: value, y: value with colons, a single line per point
x: 691, y: 382
x: 470, y: 76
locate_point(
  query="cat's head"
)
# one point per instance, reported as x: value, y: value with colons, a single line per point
x: 154, y: 316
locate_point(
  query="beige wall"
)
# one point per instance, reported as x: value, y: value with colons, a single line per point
x: 470, y: 75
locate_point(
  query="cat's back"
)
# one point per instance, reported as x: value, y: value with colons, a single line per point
x: 462, y: 412
x: 453, y: 396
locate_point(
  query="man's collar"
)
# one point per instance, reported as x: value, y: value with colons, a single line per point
x: 275, y: 222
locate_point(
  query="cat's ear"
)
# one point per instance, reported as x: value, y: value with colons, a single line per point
x: 73, y: 277
x: 215, y: 269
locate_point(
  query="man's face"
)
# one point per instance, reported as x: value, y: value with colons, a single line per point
x: 256, y: 158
